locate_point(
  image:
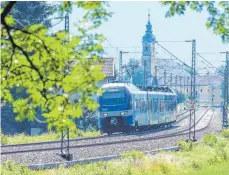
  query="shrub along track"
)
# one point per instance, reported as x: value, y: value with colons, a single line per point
x: 92, y: 142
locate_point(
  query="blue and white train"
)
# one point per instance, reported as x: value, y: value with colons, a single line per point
x: 125, y: 107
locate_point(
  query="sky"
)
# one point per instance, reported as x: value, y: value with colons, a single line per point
x: 125, y: 29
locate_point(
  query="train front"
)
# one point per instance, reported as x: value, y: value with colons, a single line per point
x: 115, y: 111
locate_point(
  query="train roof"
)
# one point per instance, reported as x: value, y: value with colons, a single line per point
x: 134, y: 88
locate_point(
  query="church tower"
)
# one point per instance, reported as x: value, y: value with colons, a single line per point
x: 148, y: 55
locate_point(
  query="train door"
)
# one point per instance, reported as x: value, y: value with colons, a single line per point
x: 161, y: 110
x: 150, y: 112
x: 137, y: 108
x: 134, y: 105
x: 140, y: 118
x: 155, y: 110
x: 149, y: 109
x: 144, y: 112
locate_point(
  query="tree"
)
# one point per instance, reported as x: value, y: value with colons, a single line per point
x: 51, y: 68
x: 218, y: 14
x: 134, y: 70
x: 25, y: 13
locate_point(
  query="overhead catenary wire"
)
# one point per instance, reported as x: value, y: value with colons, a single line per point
x: 210, y: 63
x: 173, y: 55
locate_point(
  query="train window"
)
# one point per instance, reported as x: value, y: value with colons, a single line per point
x: 167, y: 105
x: 170, y: 105
x: 150, y: 105
x: 160, y: 106
x: 141, y: 106
x: 163, y: 106
x: 136, y: 105
x: 155, y: 106
x: 144, y: 106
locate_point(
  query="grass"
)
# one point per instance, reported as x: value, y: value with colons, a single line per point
x: 22, y: 138
x: 217, y: 169
x: 225, y: 133
x: 209, y: 157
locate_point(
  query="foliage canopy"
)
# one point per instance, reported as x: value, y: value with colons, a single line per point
x: 52, y: 67
x: 218, y: 14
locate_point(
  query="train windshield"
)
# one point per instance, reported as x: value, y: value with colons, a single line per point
x: 113, y: 98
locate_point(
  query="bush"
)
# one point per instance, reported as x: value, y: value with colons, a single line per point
x: 165, y: 169
x: 133, y: 155
x: 10, y: 168
x: 225, y: 133
x: 185, y: 146
x: 222, y: 149
x: 210, y: 140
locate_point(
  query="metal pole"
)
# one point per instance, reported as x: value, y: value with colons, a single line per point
x: 171, y: 79
x: 66, y: 26
x: 192, y: 123
x: 184, y: 84
x: 225, y: 93
x: 165, y: 77
x: 212, y: 100
x: 176, y: 81
x: 120, y: 66
x: 65, y: 133
x: 188, y: 85
x: 180, y: 84
x: 155, y: 80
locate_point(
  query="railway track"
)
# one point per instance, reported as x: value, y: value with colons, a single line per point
x: 180, y: 118
x: 103, y: 158
x: 100, y: 143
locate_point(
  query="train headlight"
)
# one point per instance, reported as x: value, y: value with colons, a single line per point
x: 104, y: 114
x: 123, y: 113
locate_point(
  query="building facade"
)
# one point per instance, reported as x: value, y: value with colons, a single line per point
x: 208, y: 89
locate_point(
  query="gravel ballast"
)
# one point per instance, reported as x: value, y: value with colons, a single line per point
x: 115, y: 149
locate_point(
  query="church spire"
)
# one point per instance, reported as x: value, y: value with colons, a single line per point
x: 148, y: 37
x: 148, y: 15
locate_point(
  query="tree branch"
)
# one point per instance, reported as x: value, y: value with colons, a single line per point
x: 6, y: 11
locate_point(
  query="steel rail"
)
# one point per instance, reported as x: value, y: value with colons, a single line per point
x: 86, y: 138
x: 100, y: 139
x: 102, y: 158
x: 177, y: 133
